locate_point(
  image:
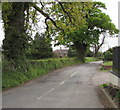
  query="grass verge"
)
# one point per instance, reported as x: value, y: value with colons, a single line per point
x: 36, y: 68
x: 106, y: 63
x: 90, y: 59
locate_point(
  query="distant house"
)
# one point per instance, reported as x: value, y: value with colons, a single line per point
x: 61, y: 53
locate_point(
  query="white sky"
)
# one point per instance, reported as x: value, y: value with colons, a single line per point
x: 112, y: 11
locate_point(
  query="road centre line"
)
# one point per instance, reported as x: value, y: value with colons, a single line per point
x: 56, y: 86
x: 73, y: 73
x: 61, y: 83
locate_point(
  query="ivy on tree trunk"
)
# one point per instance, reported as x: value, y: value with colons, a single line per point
x: 16, y: 39
x: 81, y: 50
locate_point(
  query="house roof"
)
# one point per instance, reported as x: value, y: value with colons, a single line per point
x: 61, y: 51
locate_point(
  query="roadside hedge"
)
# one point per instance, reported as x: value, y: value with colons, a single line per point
x: 36, y: 69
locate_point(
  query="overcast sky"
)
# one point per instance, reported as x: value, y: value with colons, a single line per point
x: 112, y: 11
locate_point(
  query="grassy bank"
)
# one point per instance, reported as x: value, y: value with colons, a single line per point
x: 108, y: 63
x: 36, y: 68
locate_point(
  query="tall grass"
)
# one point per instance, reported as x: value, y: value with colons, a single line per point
x: 36, y: 69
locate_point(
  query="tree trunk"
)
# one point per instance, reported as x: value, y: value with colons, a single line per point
x: 96, y: 51
x: 14, y: 42
x: 81, y: 50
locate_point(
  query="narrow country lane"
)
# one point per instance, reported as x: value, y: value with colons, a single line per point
x: 70, y: 87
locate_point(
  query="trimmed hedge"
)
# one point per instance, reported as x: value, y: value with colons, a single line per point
x: 36, y: 69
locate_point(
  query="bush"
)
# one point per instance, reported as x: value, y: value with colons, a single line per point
x: 72, y: 52
x: 39, y: 48
x: 36, y: 69
x: 108, y: 55
x: 89, y: 53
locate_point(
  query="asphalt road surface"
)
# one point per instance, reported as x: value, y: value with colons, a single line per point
x: 70, y: 87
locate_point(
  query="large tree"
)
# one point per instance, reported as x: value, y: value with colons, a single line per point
x: 18, y: 18
x: 83, y: 26
x: 16, y: 38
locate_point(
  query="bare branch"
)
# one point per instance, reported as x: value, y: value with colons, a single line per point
x: 98, y: 46
x: 47, y: 16
x: 60, y: 3
x: 42, y: 5
x: 40, y: 10
x: 103, y: 40
x: 47, y: 27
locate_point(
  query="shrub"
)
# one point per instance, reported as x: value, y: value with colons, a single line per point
x: 72, y: 52
x: 108, y: 55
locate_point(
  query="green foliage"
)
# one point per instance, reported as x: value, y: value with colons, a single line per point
x: 108, y: 55
x: 101, y: 68
x: 15, y: 44
x: 118, y: 95
x: 99, y: 55
x: 90, y: 59
x: 6, y: 12
x: 72, y: 52
x: 89, y: 53
x: 91, y: 24
x: 104, y: 85
x: 40, y: 47
x: 108, y: 63
x: 36, y: 69
x: 82, y: 23
x: 16, y: 39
